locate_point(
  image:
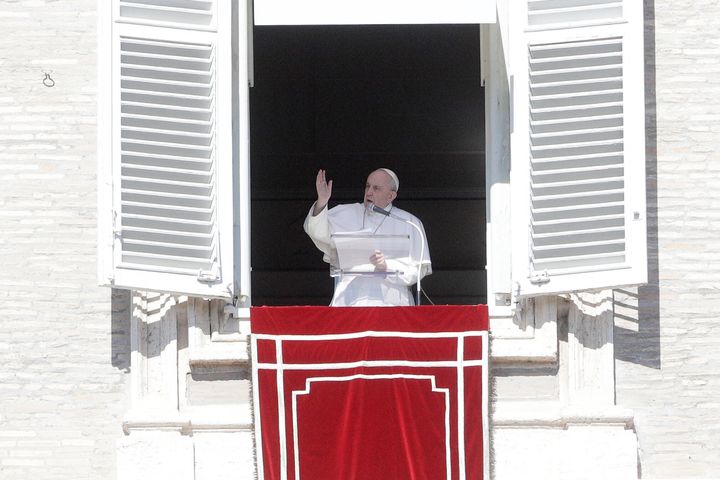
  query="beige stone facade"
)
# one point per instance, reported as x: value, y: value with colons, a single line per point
x: 634, y: 395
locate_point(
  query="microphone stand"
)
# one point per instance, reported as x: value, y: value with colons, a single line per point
x: 382, y: 211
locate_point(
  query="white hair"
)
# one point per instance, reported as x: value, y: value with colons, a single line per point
x: 395, y: 182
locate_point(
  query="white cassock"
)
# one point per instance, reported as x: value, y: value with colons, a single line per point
x: 376, y: 289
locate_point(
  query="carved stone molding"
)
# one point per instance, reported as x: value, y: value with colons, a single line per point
x: 214, y: 337
x: 528, y: 336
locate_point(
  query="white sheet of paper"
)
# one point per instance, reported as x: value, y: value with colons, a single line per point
x: 355, y: 249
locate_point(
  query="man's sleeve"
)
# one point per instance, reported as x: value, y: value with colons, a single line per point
x: 318, y: 229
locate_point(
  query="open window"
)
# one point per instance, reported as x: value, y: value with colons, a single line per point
x: 352, y: 98
x: 174, y: 143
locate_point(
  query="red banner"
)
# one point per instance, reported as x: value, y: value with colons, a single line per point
x: 370, y: 393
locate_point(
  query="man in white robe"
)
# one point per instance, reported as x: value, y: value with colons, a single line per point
x: 388, y: 281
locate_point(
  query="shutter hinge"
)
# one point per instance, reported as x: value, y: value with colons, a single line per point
x: 239, y: 307
x: 117, y: 232
x: 540, y: 278
x: 515, y: 304
x: 209, y: 276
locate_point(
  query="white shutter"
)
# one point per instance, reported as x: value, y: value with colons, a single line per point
x: 578, y: 154
x: 172, y: 173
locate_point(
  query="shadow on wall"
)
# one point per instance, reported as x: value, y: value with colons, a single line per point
x: 637, y: 311
x: 121, y: 302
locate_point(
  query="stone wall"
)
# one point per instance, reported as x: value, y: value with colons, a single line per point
x: 64, y: 342
x: 667, y: 343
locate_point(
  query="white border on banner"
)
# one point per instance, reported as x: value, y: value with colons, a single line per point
x: 460, y: 352
x: 310, y: 380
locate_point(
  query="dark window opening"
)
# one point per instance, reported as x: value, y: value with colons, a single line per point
x: 351, y: 99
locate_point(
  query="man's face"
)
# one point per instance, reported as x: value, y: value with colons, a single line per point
x: 378, y: 189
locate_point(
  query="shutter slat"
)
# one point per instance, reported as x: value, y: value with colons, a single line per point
x: 166, y: 123
x: 589, y: 71
x: 160, y: 269
x: 155, y: 219
x: 578, y: 196
x: 604, y: 156
x: 163, y: 95
x: 168, y: 208
x: 175, y: 13
x: 198, y: 54
x: 199, y: 139
x: 564, y: 234
x: 167, y: 107
x: 567, y: 209
x: 604, y: 176
x: 139, y: 68
x: 580, y: 95
x: 578, y: 245
x: 541, y: 87
x: 166, y: 259
x: 539, y: 224
x: 141, y: 158
x: 576, y: 124
x: 201, y: 62
x: 185, y: 235
x: 539, y: 149
x: 570, y: 9
x: 573, y: 120
x: 164, y: 13
x: 156, y: 183
x: 611, y: 169
x: 180, y: 263
x: 578, y: 61
x: 566, y: 133
x: 168, y: 145
x: 579, y: 263
x: 187, y: 5
x: 167, y: 170
x: 178, y: 121
x: 582, y: 44
x: 570, y: 108
x: 549, y: 13
x: 167, y: 81
x: 573, y: 261
x: 170, y: 195
x: 162, y: 131
x: 164, y: 245
x: 129, y: 42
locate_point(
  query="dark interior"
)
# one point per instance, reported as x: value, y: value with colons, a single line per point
x: 351, y: 99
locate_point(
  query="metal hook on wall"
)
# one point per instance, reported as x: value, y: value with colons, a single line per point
x: 48, y: 81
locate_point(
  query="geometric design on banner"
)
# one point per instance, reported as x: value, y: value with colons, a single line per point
x: 368, y: 393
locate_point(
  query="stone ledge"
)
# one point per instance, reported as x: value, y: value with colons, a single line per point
x: 219, y: 354
x: 195, y: 419
x: 555, y: 415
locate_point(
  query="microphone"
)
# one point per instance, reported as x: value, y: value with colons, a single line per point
x: 379, y: 210
x: 382, y: 211
x: 387, y: 213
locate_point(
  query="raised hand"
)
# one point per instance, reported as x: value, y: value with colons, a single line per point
x: 324, y: 191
